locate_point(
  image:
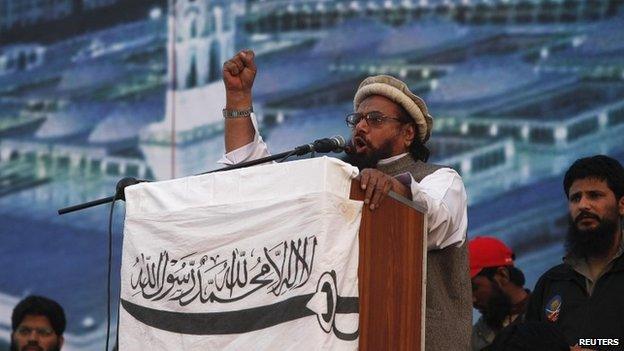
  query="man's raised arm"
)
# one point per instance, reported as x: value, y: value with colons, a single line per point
x: 238, y: 75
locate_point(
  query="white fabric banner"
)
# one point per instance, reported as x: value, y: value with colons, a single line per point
x: 263, y: 258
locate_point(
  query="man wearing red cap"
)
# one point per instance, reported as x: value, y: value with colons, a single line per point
x: 497, y: 289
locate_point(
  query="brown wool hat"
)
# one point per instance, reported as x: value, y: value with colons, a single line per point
x: 398, y: 92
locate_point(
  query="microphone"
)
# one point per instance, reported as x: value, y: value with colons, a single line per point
x: 336, y: 144
x: 349, y: 149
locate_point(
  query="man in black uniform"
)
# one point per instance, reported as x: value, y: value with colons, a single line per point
x: 584, y: 296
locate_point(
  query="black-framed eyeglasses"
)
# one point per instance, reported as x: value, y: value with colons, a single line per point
x: 373, y: 119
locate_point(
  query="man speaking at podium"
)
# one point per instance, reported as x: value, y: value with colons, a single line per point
x: 389, y: 130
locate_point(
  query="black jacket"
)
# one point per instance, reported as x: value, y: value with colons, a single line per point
x: 580, y: 316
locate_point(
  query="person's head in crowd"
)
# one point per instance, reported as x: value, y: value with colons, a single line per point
x: 389, y: 120
x: 496, y: 283
x: 594, y: 187
x: 37, y: 324
x: 529, y: 336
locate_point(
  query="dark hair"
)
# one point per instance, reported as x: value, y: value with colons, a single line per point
x: 417, y: 149
x: 600, y: 167
x: 40, y: 306
x: 515, y: 275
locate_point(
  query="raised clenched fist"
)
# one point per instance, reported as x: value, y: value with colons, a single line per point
x: 239, y: 73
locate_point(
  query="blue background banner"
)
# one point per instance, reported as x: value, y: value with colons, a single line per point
x: 95, y: 90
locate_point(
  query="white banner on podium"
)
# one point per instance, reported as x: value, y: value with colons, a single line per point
x: 263, y: 258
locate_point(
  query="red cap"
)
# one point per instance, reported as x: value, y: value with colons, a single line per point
x: 487, y: 251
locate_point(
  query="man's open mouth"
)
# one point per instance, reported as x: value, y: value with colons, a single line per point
x: 360, y: 142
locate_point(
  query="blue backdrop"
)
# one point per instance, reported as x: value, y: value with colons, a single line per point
x: 92, y: 91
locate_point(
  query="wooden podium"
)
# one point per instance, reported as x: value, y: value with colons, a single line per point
x: 392, y: 272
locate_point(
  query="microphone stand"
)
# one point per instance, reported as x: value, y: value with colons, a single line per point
x: 124, y: 182
x: 119, y: 195
x: 270, y: 158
